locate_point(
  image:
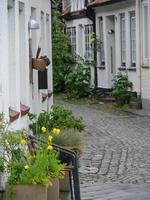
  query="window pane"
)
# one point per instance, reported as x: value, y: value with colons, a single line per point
x: 71, y: 31
x: 123, y: 38
x: 145, y: 32
x: 133, y: 36
x: 102, y: 56
x: 89, y: 53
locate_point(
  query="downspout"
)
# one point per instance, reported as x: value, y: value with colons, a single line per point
x: 138, y: 46
x: 91, y: 15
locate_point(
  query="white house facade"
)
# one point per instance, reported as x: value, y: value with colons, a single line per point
x: 80, y: 29
x: 116, y: 29
x: 23, y: 88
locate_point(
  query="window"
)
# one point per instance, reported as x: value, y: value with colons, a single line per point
x: 123, y: 39
x: 89, y: 52
x: 101, y: 32
x: 133, y: 38
x: 71, y: 31
x: 145, y: 35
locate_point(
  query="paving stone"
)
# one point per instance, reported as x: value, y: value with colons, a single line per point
x: 117, y: 150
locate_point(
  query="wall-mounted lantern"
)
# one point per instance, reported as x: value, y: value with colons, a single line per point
x: 33, y: 25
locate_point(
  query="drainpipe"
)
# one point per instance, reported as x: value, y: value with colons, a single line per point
x: 138, y: 46
x: 91, y: 15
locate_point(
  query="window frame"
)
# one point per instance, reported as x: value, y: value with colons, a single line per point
x: 101, y: 36
x: 123, y: 39
x: 133, y: 39
x: 71, y: 31
x: 88, y: 51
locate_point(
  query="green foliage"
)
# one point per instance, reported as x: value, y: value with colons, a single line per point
x: 78, y: 81
x: 42, y: 169
x: 24, y: 167
x: 58, y: 117
x: 62, y: 56
x: 122, y: 89
x: 68, y: 137
x: 64, y: 118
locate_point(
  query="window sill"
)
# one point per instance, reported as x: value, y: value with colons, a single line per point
x: 131, y: 68
x: 24, y: 109
x: 13, y: 115
x: 50, y: 93
x: 122, y: 68
x: 101, y: 67
x: 145, y: 66
x: 44, y: 96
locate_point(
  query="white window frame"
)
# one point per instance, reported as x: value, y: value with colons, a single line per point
x: 101, y: 36
x: 146, y: 41
x: 123, y: 38
x: 89, y: 51
x: 133, y: 38
x: 71, y: 31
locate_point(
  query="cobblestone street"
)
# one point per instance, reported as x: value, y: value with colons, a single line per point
x: 115, y: 164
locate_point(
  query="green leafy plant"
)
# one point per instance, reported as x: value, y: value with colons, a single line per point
x: 122, y: 89
x: 62, y: 56
x: 68, y: 137
x: 78, y: 81
x: 29, y: 167
x: 57, y: 117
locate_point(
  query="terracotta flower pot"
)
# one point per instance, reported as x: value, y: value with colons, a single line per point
x: 53, y: 191
x: 26, y: 192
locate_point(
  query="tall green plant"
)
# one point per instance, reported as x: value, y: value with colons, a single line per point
x: 122, y: 89
x: 62, y: 56
x: 78, y: 81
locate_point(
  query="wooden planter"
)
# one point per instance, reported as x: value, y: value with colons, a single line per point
x: 38, y: 64
x: 53, y: 192
x: 64, y: 184
x: 26, y: 192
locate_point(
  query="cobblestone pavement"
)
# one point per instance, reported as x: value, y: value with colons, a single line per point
x: 117, y: 149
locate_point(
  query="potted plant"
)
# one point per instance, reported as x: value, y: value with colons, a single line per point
x: 31, y: 174
x: 70, y: 139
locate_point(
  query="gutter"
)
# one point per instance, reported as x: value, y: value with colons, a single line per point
x: 91, y: 15
x: 104, y: 3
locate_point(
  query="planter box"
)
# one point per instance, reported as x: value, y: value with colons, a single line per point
x: 53, y: 192
x: 64, y: 184
x: 26, y: 192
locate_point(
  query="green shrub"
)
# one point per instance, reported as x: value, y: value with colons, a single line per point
x: 122, y: 89
x: 62, y: 56
x: 58, y: 117
x: 78, y: 81
x: 68, y: 137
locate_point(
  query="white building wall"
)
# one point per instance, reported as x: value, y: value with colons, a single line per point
x: 105, y: 73
x: 145, y: 63
x: 80, y: 38
x: 32, y: 96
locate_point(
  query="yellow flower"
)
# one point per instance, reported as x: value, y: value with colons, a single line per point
x: 50, y: 138
x: 26, y: 167
x: 23, y: 141
x: 49, y: 148
x: 43, y: 129
x: 56, y: 131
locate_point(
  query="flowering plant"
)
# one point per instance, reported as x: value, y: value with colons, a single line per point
x: 27, y: 165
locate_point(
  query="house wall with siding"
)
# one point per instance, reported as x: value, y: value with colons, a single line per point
x: 80, y: 38
x: 105, y: 74
x: 15, y: 86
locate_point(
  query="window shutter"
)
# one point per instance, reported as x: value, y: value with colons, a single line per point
x: 42, y: 79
